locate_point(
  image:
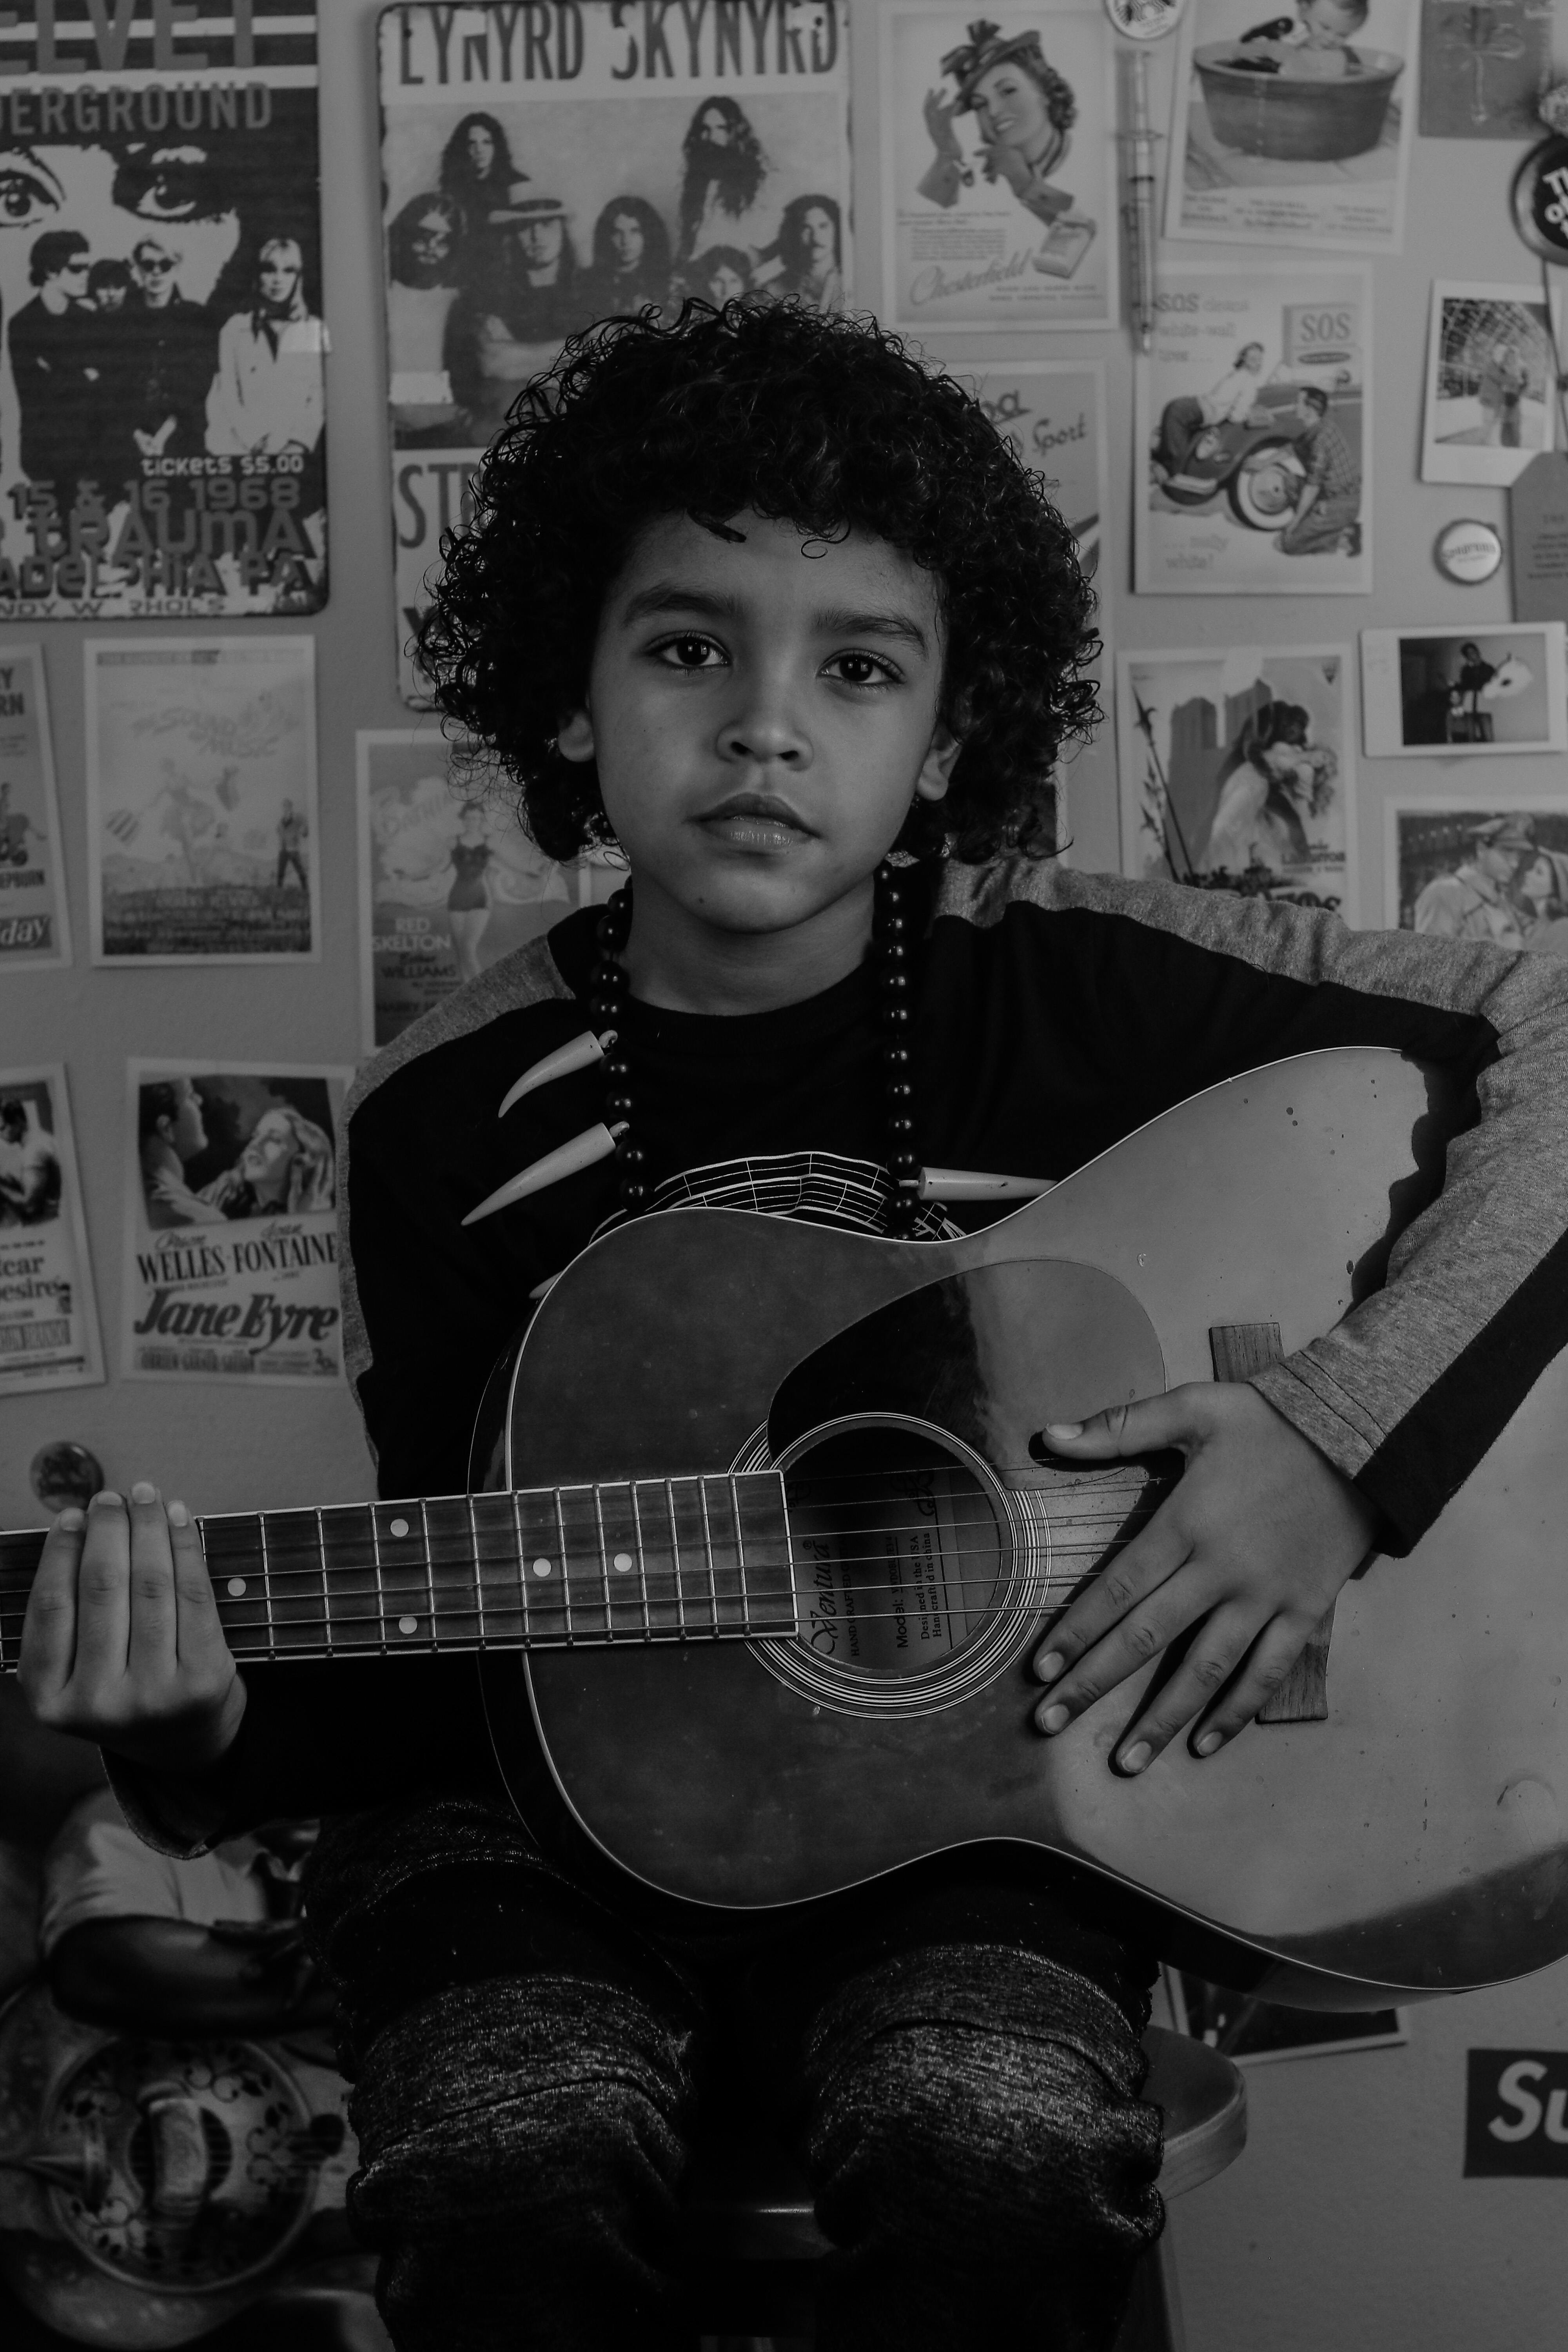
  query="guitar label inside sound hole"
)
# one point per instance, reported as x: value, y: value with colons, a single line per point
x: 896, y: 1552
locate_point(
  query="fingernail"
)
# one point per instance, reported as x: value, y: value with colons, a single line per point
x: 1209, y: 1743
x: 71, y: 1520
x: 105, y: 1495
x: 1133, y: 1759
x: 1050, y: 1665
x: 1055, y: 1718
x: 143, y: 1491
x: 1064, y: 1429
x: 178, y: 1516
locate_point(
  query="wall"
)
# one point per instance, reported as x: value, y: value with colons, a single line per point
x: 1347, y: 2227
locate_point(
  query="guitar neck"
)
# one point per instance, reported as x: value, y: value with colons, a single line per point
x: 649, y: 1559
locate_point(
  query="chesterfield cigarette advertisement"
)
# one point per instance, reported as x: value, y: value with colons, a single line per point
x: 48, y: 1321
x: 549, y: 165
x: 1253, y: 434
x: 231, y: 1242
x: 34, y: 931
x: 161, y: 396
x: 201, y: 776
x: 999, y: 200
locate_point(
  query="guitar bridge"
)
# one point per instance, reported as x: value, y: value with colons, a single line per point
x: 1238, y: 1351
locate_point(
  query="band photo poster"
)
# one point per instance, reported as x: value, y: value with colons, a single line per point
x: 162, y: 395
x: 1485, y: 693
x: 999, y: 195
x: 48, y: 1319
x: 1491, y: 379
x: 450, y: 882
x: 1238, y: 773
x: 35, y: 929
x: 1483, y: 868
x: 1294, y: 129
x: 231, y: 1226
x: 548, y: 166
x: 201, y: 799
x: 1253, y: 434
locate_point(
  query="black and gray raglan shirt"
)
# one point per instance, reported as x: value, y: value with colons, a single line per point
x: 1056, y: 1012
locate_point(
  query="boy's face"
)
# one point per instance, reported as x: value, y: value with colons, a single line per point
x: 762, y: 718
x: 1330, y: 23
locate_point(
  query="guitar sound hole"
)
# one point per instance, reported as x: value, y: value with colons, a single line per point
x: 898, y: 1551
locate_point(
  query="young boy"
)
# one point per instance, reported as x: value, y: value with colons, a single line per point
x: 762, y: 600
x: 1317, y: 45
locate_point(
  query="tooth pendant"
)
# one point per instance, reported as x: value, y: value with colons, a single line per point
x: 580, y: 1054
x: 566, y: 1160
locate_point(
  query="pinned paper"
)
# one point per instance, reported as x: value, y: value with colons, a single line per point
x: 1537, y: 535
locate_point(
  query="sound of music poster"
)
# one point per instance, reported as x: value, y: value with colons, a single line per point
x: 161, y: 392
x: 201, y: 793
x: 35, y: 930
x: 547, y: 166
x: 231, y: 1240
x: 48, y: 1318
x: 1238, y: 773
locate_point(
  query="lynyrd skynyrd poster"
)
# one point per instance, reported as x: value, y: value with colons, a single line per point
x: 571, y: 159
x: 160, y: 391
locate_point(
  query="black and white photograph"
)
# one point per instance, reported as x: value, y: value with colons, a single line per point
x: 1491, y: 395
x: 1485, y: 694
x: 161, y: 397
x: 34, y: 919
x: 1237, y: 773
x: 48, y: 1315
x: 597, y: 165
x: 1494, y: 870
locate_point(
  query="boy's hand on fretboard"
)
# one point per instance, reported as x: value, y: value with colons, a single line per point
x: 121, y: 1642
x: 1246, y: 1553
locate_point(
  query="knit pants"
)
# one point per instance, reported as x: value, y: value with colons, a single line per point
x: 956, y: 2059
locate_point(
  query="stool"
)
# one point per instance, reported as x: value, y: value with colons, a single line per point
x: 751, y: 2239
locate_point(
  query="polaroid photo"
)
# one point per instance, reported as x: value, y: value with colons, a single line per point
x: 1480, y: 868
x: 1487, y: 693
x: 1490, y: 383
x: 1242, y: 2027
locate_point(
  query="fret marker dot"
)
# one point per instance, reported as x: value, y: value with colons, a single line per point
x: 622, y: 1562
x: 400, y: 1526
x: 409, y: 1624
x: 541, y: 1568
x: 235, y: 1587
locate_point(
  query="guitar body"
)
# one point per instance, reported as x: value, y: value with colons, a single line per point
x: 1412, y: 1841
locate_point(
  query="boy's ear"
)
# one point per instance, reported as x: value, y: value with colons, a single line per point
x: 936, y: 768
x: 575, y: 740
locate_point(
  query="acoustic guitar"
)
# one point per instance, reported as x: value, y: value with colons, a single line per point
x: 764, y: 1539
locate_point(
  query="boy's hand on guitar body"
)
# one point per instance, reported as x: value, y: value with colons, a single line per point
x: 1249, y: 1549
x: 121, y: 1643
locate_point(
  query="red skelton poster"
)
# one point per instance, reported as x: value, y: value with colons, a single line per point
x: 161, y: 390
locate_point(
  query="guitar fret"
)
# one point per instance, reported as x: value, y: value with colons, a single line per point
x: 522, y: 1563
x: 674, y: 1551
x: 478, y: 1572
x: 565, y: 1573
x: 604, y: 1559
x: 706, y: 1534
x: 267, y: 1589
x: 380, y: 1583
x: 637, y: 1535
x: 740, y: 1551
x: 326, y: 1597
x: 429, y: 1575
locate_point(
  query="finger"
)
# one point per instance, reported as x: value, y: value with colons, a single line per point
x: 200, y: 1636
x: 1217, y: 1649
x: 49, y: 1629
x: 103, y: 1592
x: 1269, y: 1662
x: 1127, y: 1649
x: 150, y: 1648
x: 1151, y: 1558
x: 1146, y: 1426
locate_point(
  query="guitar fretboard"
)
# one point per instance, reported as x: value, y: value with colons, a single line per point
x: 651, y: 1559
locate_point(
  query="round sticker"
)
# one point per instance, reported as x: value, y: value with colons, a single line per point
x: 1539, y: 199
x: 1468, y: 552
x: 1145, y: 20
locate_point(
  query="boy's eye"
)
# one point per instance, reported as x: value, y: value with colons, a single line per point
x: 690, y: 653
x: 858, y: 669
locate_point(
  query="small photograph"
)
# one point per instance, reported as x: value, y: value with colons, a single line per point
x: 1236, y: 772
x: 1483, y: 69
x: 1294, y: 129
x: 48, y: 1318
x: 1240, y: 2026
x: 34, y: 925
x: 450, y: 882
x: 1253, y: 429
x: 1490, y: 381
x: 231, y: 1200
x: 1499, y: 691
x: 999, y: 195
x: 1460, y: 871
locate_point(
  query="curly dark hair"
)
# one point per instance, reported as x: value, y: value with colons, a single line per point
x: 822, y: 421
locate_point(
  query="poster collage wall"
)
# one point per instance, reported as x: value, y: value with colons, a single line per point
x: 163, y: 457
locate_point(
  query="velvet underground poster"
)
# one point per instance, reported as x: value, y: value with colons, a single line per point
x: 161, y: 408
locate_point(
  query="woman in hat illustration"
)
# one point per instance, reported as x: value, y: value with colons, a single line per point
x: 1025, y: 111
